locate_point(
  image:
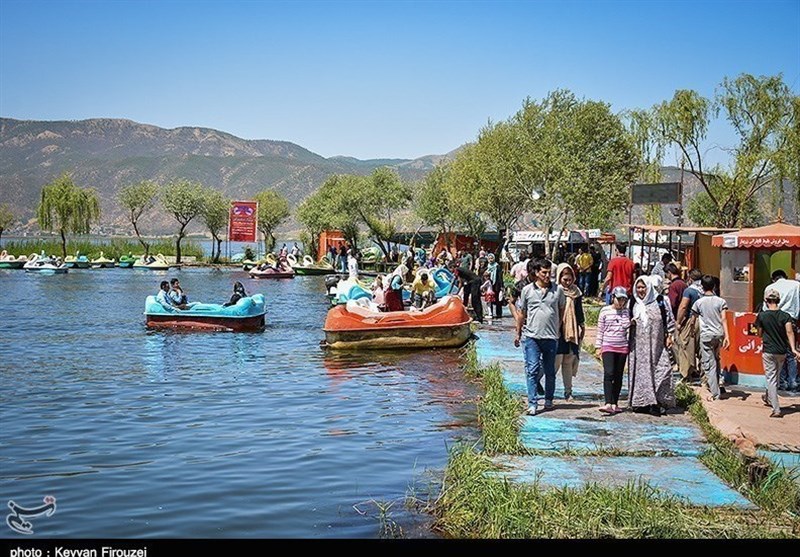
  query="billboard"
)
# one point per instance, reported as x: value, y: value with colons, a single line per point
x: 656, y: 194
x: 243, y: 221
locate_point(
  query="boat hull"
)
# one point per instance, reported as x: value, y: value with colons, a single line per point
x: 446, y: 324
x: 410, y: 338
x: 125, y: 264
x: 313, y: 270
x: 271, y: 275
x: 12, y: 264
x: 206, y: 323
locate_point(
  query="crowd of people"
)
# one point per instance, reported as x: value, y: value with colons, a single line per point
x: 658, y: 324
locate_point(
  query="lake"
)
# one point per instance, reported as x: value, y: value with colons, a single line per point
x: 165, y: 434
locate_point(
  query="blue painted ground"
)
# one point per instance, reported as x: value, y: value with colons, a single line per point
x: 577, y: 425
x: 790, y: 461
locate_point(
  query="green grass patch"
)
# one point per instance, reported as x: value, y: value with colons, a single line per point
x: 475, y: 502
x: 591, y: 313
x: 112, y: 248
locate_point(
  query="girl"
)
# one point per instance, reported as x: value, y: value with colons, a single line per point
x: 613, y: 325
x: 487, y: 291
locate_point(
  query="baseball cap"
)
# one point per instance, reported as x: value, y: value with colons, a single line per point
x: 772, y: 294
x: 619, y: 292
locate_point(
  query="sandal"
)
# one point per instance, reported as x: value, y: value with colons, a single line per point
x: 605, y: 410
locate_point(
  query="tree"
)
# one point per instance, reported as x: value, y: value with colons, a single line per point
x: 185, y: 200
x: 137, y: 199
x: 376, y: 200
x: 67, y: 208
x: 760, y: 110
x: 6, y: 218
x: 432, y: 202
x: 273, y: 209
x: 215, y: 215
x: 650, y: 150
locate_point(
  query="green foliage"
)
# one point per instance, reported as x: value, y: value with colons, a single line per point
x: 112, y: 249
x: 432, y: 202
x: 704, y: 212
x: 376, y: 200
x: 185, y: 201
x: 761, y: 110
x: 215, y: 216
x: 273, y: 209
x: 6, y: 218
x: 137, y: 199
x: 67, y: 208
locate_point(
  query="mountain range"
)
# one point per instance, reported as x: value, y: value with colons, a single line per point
x: 107, y: 154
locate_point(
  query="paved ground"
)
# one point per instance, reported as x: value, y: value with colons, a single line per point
x: 672, y: 441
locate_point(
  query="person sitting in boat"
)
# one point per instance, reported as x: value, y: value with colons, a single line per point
x: 238, y: 293
x: 378, y: 295
x: 422, y: 290
x: 150, y: 259
x: 296, y: 251
x: 394, y: 290
x: 284, y: 252
x: 177, y: 295
x: 163, y: 297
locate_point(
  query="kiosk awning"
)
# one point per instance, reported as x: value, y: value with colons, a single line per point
x: 773, y: 236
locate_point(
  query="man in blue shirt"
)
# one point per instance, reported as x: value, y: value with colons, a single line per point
x: 163, y: 296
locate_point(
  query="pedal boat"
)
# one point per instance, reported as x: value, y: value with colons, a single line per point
x: 246, y: 315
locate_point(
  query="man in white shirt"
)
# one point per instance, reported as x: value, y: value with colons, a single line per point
x: 789, y: 291
x: 520, y: 270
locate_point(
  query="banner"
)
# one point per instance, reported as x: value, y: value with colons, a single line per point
x: 243, y: 221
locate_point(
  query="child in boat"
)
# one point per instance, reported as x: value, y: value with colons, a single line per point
x: 378, y: 296
x: 487, y: 292
x: 422, y: 290
x: 238, y: 293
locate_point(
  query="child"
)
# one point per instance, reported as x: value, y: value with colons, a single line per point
x: 488, y: 296
x: 710, y: 310
x: 613, y: 327
x: 377, y: 292
x: 777, y: 330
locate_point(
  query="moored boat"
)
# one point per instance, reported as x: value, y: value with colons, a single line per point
x: 77, y: 261
x: 353, y: 326
x: 307, y: 267
x: 157, y: 263
x: 10, y: 262
x: 126, y: 261
x: 103, y: 262
x: 272, y: 272
x: 246, y: 315
x: 44, y: 265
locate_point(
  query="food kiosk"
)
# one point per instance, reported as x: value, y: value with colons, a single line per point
x: 748, y: 258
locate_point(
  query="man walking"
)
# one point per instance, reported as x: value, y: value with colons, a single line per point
x: 789, y: 292
x: 620, y: 273
x: 584, y: 262
x: 776, y: 328
x: 710, y: 309
x: 538, y: 330
x: 688, y: 332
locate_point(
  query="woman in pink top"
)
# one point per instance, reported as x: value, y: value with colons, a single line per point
x: 613, y: 325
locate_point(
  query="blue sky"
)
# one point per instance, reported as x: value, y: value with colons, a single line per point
x: 374, y: 79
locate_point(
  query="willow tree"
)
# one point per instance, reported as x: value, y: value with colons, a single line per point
x: 6, y: 218
x: 185, y: 201
x: 273, y: 210
x: 650, y: 151
x: 215, y: 216
x: 760, y: 111
x: 67, y: 208
x: 377, y: 199
x: 332, y: 207
x: 137, y: 199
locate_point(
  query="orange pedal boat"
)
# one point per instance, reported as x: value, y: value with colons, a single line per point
x: 444, y: 324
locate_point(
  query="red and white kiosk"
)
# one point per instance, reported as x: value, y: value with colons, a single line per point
x: 747, y: 259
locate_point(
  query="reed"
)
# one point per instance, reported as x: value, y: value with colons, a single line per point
x: 112, y: 248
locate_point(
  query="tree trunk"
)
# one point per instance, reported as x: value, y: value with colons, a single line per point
x: 1, y: 233
x: 219, y: 250
x: 178, y: 246
x: 63, y: 245
x: 141, y: 241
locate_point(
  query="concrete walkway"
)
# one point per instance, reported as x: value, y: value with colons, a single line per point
x: 671, y: 443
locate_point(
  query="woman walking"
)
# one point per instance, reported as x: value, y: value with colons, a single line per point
x: 572, y: 328
x: 651, y: 387
x: 613, y: 326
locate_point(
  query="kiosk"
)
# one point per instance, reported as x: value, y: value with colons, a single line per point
x: 747, y: 259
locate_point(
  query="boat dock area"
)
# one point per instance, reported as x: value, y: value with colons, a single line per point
x: 574, y: 444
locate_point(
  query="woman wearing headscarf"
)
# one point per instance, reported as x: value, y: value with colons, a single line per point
x: 394, y: 289
x: 496, y: 277
x: 238, y: 294
x: 572, y: 327
x: 650, y: 385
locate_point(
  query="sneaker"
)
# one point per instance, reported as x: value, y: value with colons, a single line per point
x: 776, y: 415
x: 567, y: 395
x: 531, y: 411
x: 548, y: 404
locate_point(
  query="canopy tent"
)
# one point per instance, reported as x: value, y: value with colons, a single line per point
x: 773, y: 236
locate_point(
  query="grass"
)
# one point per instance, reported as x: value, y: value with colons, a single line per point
x: 112, y: 248
x: 498, y: 410
x: 591, y: 313
x: 474, y: 502
x: 769, y: 486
